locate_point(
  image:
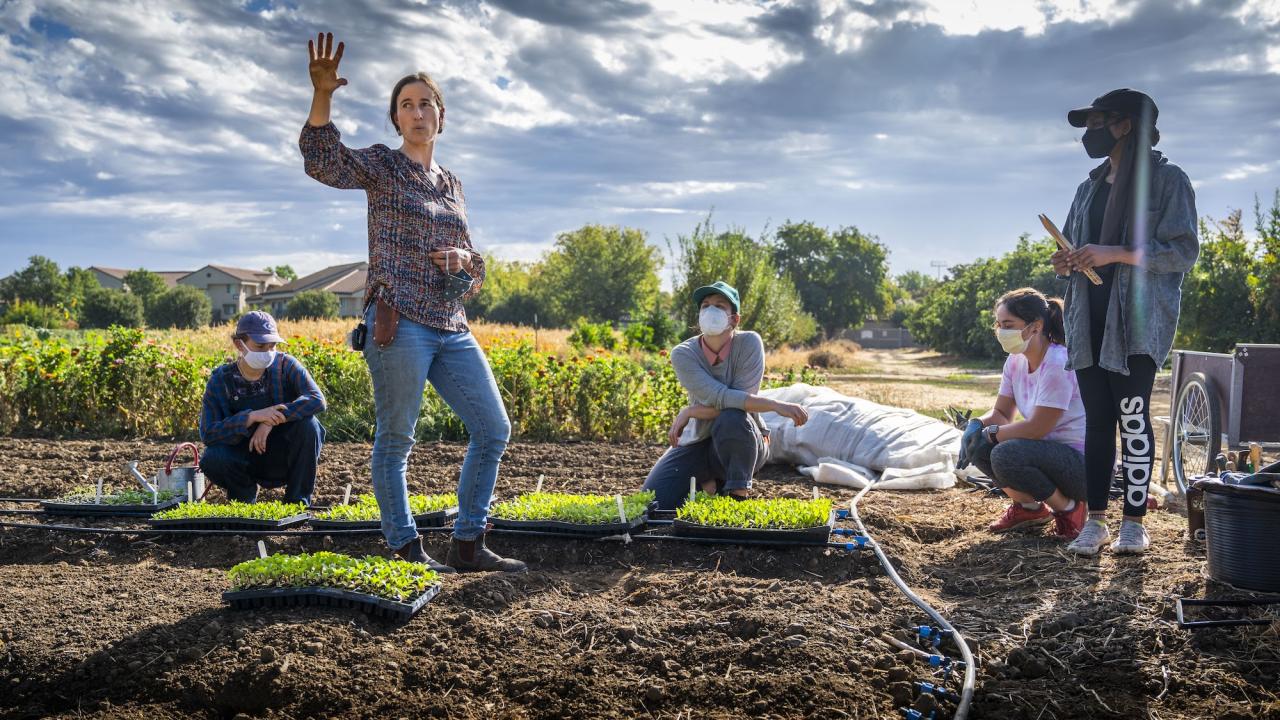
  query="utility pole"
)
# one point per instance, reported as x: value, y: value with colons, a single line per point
x: 939, y: 265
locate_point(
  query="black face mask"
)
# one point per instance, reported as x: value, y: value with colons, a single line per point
x: 1098, y: 142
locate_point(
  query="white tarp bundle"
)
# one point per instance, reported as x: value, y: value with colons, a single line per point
x: 849, y: 441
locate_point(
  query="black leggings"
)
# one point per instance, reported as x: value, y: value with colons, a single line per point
x: 1110, y: 400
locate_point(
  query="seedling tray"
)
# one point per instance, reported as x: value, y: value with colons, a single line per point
x: 818, y: 535
x: 229, y: 523
x: 439, y: 518
x: 560, y: 526
x: 328, y: 597
x: 53, y: 507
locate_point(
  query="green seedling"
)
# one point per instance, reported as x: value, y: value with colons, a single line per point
x: 772, y: 513
x: 564, y: 507
x: 270, y: 510
x: 365, y: 507
x: 391, y: 579
x: 86, y: 495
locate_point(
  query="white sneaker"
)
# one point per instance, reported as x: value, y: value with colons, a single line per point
x: 1092, y: 538
x: 1133, y: 538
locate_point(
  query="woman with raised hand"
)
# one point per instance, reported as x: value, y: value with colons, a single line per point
x: 1038, y: 460
x: 421, y: 268
x: 1133, y: 222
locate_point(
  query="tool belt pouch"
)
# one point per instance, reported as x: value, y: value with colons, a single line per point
x: 386, y: 320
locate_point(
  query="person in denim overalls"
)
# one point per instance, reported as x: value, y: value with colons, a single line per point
x: 258, y: 419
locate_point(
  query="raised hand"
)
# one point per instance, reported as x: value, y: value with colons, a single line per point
x: 324, y: 63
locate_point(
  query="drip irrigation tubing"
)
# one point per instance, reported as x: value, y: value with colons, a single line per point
x: 970, y: 673
x: 369, y: 531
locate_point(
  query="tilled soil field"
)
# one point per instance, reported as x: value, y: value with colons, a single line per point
x: 133, y: 626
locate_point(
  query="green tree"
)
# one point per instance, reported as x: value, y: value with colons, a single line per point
x: 915, y: 284
x: 145, y: 284
x: 955, y: 316
x: 508, y: 295
x: 181, y: 306
x: 599, y: 272
x: 79, y: 281
x: 312, y: 304
x: 840, y: 275
x: 770, y: 304
x: 285, y: 271
x: 1217, y: 304
x: 30, y: 314
x: 39, y: 282
x: 1266, y: 291
x: 103, y: 308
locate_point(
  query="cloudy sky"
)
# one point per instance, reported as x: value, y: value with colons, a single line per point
x: 164, y: 133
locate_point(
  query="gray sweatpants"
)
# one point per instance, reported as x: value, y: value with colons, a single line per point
x: 1035, y: 467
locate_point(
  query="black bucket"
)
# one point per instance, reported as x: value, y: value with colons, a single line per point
x: 1242, y: 523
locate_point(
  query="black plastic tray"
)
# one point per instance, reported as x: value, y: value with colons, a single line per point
x: 439, y: 518
x: 559, y: 526
x: 53, y: 507
x: 327, y: 597
x: 817, y: 535
x: 230, y: 523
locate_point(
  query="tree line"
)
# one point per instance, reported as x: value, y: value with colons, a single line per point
x: 1231, y: 295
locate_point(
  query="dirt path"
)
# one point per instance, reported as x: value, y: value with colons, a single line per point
x: 134, y: 627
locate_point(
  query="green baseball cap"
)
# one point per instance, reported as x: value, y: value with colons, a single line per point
x: 718, y: 287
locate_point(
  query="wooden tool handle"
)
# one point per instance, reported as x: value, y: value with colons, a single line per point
x: 1063, y: 244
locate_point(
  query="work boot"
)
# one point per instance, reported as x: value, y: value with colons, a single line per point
x: 412, y: 551
x: 473, y: 556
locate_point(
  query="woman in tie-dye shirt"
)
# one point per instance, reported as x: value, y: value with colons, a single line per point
x: 1037, y: 460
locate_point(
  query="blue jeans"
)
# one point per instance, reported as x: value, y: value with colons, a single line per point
x: 457, y: 368
x: 730, y: 457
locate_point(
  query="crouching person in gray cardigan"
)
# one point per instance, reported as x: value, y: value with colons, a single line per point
x: 721, y: 369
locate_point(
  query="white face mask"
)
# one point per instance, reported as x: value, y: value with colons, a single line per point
x: 713, y: 320
x: 1011, y: 340
x: 258, y: 360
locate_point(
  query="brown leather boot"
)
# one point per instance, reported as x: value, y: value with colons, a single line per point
x: 413, y: 552
x: 473, y: 556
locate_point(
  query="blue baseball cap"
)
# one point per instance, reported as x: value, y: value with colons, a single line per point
x: 259, y: 327
x: 718, y: 287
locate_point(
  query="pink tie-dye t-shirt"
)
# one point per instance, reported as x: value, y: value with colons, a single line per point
x: 1051, y: 385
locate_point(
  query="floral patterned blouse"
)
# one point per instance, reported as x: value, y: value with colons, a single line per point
x: 409, y: 217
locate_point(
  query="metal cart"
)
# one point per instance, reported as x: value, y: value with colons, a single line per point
x: 1219, y: 402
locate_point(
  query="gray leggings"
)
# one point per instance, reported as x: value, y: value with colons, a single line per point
x: 1035, y: 467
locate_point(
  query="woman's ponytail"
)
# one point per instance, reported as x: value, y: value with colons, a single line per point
x: 1055, y: 330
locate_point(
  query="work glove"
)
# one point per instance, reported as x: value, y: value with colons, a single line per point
x: 972, y: 429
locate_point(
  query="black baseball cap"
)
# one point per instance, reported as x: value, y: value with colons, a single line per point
x: 1130, y: 103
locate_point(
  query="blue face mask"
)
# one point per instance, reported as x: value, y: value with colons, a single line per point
x: 457, y: 284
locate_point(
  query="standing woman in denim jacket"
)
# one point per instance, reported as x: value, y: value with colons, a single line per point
x: 421, y: 268
x: 1133, y: 222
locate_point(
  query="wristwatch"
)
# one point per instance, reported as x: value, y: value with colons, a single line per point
x: 990, y: 431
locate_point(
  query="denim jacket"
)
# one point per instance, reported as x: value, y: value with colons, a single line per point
x: 1142, y: 316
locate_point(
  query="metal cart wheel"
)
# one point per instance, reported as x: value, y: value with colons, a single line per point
x: 1197, y: 430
